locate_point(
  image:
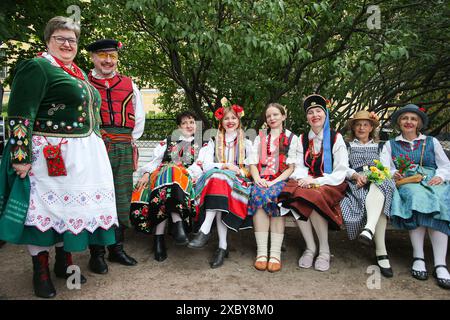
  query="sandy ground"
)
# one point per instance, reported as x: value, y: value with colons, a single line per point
x: 186, y: 273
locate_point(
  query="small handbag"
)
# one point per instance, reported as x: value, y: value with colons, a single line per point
x: 416, y: 178
x: 55, y: 161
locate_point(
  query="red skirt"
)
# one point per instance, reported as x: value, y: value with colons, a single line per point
x: 325, y: 200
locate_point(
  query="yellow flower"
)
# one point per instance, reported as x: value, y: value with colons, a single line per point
x: 382, y: 176
x: 376, y: 161
x: 373, y: 169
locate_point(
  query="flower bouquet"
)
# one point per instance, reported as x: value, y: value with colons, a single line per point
x: 402, y: 163
x: 377, y: 173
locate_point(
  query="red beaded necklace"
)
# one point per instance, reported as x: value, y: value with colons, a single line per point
x: 74, y: 71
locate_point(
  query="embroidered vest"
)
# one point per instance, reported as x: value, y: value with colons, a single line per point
x: 117, y: 105
x: 283, y: 150
x: 402, y: 147
x: 315, y: 164
x: 180, y: 151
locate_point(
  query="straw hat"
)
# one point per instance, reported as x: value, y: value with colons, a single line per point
x: 364, y: 115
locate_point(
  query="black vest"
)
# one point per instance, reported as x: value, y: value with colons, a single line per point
x: 315, y: 165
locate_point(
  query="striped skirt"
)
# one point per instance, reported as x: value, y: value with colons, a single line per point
x: 170, y: 190
x: 223, y: 191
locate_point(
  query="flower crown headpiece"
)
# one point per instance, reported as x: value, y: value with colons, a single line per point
x: 219, y: 113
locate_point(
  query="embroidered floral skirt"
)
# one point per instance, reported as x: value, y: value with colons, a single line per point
x: 222, y: 190
x: 78, y: 208
x: 265, y: 198
x: 171, y: 191
x: 324, y: 200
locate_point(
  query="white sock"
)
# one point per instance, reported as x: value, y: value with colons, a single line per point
x: 175, y: 217
x: 380, y: 244
x: 321, y: 226
x: 222, y: 231
x: 307, y: 233
x: 161, y: 228
x: 209, y: 218
x: 34, y: 250
x: 374, y: 206
x: 262, y: 238
x: 417, y: 237
x: 276, y: 240
x: 439, y: 242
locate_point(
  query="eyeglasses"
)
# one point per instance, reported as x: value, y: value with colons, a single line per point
x: 62, y: 40
x: 105, y: 55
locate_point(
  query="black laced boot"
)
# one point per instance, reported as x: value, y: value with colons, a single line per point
x: 63, y: 260
x: 159, y: 247
x: 179, y: 234
x: 42, y: 283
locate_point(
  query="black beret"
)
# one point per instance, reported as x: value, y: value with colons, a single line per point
x: 104, y: 45
x: 314, y: 101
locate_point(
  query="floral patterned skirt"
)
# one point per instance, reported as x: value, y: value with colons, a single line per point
x: 265, y: 198
x: 170, y: 190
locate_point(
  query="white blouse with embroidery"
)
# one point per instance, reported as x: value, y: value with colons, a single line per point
x: 340, y: 160
x: 209, y: 152
x: 271, y: 161
x: 158, y: 153
x: 442, y: 161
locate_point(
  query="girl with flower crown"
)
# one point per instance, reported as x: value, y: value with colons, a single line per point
x: 318, y: 183
x: 222, y: 192
x: 367, y: 205
x: 166, y: 187
x: 271, y: 162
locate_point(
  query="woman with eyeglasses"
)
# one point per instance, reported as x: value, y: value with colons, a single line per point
x: 56, y: 185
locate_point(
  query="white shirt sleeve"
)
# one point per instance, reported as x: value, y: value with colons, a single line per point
x: 340, y: 164
x: 158, y: 155
x: 139, y: 114
x: 386, y: 158
x: 300, y: 171
x: 254, y: 154
x: 208, y: 162
x: 248, y: 152
x: 195, y: 169
x: 293, y: 149
x: 442, y: 161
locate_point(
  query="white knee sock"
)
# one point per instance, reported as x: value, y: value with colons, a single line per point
x: 439, y: 242
x: 222, y: 231
x: 374, y: 206
x: 380, y: 244
x: 209, y: 218
x: 161, y: 228
x: 321, y: 226
x: 34, y: 250
x: 276, y: 240
x: 307, y: 233
x: 417, y: 237
x: 262, y: 238
x: 175, y: 217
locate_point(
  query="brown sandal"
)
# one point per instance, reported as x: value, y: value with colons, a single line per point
x: 274, y: 266
x: 260, y: 265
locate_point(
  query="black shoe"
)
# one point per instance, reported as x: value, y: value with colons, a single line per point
x: 443, y: 283
x: 159, y: 248
x: 368, y: 241
x: 63, y: 260
x: 419, y: 275
x: 117, y: 254
x: 218, y: 258
x: 387, y: 272
x: 42, y: 283
x: 97, y: 262
x: 199, y: 241
x: 179, y: 234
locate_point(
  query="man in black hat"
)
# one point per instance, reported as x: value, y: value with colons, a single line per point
x: 123, y: 118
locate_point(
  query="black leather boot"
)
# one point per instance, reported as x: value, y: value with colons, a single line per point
x: 63, y: 260
x: 200, y: 240
x: 116, y: 252
x: 159, y: 247
x: 42, y: 283
x: 218, y: 258
x: 97, y: 262
x: 179, y: 234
